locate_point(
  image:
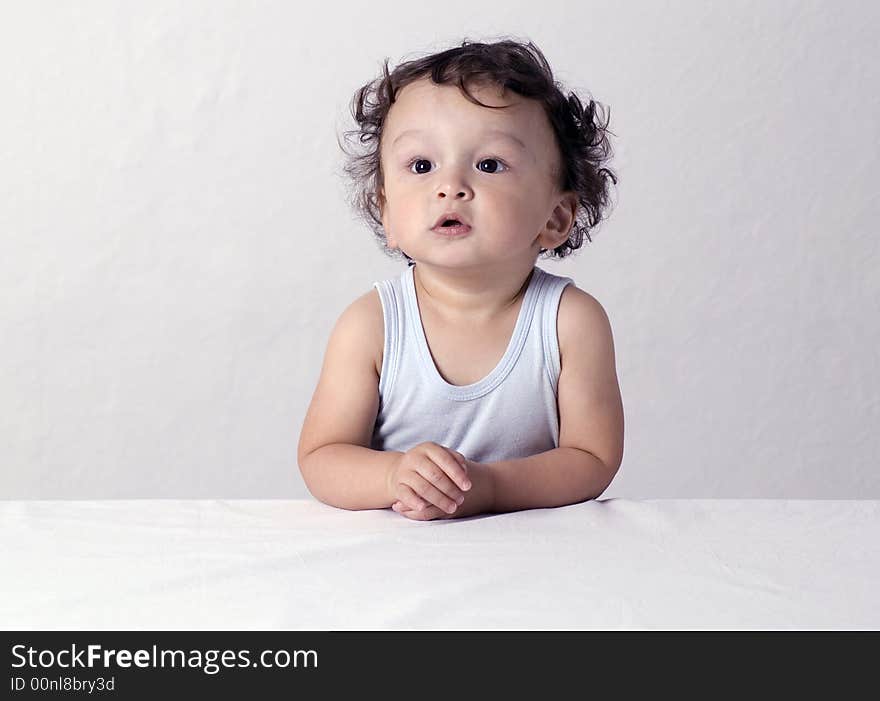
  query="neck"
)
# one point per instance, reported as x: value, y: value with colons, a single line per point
x: 468, y: 299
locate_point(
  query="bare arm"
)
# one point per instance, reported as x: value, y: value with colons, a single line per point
x: 336, y: 463
x: 590, y: 414
x: 591, y: 421
x: 554, y: 478
x: 349, y: 476
x: 335, y: 454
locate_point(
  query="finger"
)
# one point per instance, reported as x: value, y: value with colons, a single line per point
x: 434, y: 474
x: 453, y: 464
x: 404, y: 510
x: 432, y: 512
x: 407, y: 496
x: 452, y: 469
x: 427, y: 491
x: 465, y: 484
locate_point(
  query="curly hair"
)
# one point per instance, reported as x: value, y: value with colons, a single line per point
x: 522, y: 68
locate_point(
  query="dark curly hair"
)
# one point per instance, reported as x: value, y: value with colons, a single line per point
x: 521, y: 68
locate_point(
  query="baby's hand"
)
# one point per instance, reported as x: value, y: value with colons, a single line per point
x: 428, y: 475
x: 480, y: 498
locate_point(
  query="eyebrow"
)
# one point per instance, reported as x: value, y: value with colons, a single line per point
x: 492, y: 132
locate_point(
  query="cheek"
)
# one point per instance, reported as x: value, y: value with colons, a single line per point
x: 402, y: 215
x: 519, y: 210
x: 401, y: 209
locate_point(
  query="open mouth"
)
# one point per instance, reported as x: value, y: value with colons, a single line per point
x: 451, y: 227
x: 450, y: 220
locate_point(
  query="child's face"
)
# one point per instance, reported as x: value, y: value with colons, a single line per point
x: 441, y: 152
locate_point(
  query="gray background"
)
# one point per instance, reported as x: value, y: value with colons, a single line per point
x: 176, y: 247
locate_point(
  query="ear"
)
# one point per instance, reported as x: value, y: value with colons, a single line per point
x: 383, y: 215
x: 380, y: 203
x: 558, y: 227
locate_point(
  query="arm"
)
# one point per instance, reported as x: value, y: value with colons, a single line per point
x: 554, y: 478
x: 591, y: 421
x: 336, y: 464
x: 349, y: 476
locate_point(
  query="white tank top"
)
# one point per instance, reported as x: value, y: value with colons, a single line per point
x: 511, y: 413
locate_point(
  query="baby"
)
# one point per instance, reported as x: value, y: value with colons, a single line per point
x: 473, y: 382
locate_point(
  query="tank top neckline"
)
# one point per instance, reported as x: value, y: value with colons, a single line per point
x: 508, y: 360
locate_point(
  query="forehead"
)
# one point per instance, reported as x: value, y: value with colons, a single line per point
x: 424, y: 105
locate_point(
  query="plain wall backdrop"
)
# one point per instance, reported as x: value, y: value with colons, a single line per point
x: 176, y: 246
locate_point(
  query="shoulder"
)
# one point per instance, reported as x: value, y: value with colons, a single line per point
x: 581, y: 323
x: 364, y: 318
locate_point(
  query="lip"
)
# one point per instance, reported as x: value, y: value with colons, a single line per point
x: 452, y: 214
x: 452, y: 231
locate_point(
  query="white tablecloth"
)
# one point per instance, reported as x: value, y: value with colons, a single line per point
x: 302, y: 565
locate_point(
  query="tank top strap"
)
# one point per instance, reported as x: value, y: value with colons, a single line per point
x: 548, y: 313
x: 391, y: 296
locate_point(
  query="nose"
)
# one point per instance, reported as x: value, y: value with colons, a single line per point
x: 455, y: 186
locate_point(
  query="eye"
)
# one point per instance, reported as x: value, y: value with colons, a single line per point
x: 423, y: 165
x: 491, y: 160
x: 416, y: 161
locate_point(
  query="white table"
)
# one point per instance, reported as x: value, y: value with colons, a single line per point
x: 302, y: 565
